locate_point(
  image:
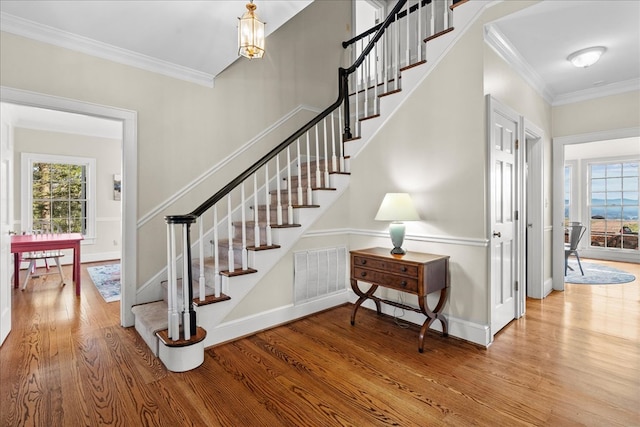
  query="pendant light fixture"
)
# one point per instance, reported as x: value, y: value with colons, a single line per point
x: 250, y: 34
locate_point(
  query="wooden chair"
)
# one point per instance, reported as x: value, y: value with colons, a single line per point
x: 33, y: 257
x: 576, y: 231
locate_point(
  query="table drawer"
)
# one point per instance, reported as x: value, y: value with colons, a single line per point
x: 391, y: 267
x: 407, y: 284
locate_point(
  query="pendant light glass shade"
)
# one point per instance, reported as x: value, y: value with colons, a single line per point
x: 250, y: 34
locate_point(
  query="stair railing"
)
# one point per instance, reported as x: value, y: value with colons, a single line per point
x: 315, y: 151
x: 400, y: 47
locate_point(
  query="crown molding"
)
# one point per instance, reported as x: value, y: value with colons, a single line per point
x: 597, y: 92
x: 46, y: 34
x: 503, y: 47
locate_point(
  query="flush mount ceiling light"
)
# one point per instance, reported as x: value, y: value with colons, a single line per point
x: 250, y: 34
x: 584, y: 58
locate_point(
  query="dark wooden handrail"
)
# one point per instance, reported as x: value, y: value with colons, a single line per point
x: 343, y: 90
x: 376, y: 27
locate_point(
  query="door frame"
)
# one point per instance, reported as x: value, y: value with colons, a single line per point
x: 531, y: 139
x: 129, y: 121
x: 6, y: 224
x: 558, y: 191
x: 496, y: 107
x: 532, y: 230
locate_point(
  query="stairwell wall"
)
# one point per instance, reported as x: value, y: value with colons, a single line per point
x: 434, y: 149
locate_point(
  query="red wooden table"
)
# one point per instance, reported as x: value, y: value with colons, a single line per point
x: 46, y: 242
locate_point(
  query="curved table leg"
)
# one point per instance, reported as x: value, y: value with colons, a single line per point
x: 363, y: 297
x: 432, y: 316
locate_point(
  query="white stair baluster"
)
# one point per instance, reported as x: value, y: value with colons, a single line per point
x: 278, y: 195
x: 356, y: 107
x: 216, y: 254
x: 385, y: 61
x: 364, y: 70
x: 172, y: 312
x: 290, y: 206
x: 245, y: 262
x: 419, y: 37
x: 268, y: 204
x: 447, y: 11
x: 309, y: 167
x: 407, y: 23
x: 340, y: 142
x: 318, y: 172
x: 300, y: 193
x: 396, y: 54
x: 376, y: 80
x: 201, y: 279
x: 432, y: 20
x: 230, y: 231
x: 186, y: 319
x: 326, y: 154
x: 256, y: 226
x: 334, y: 158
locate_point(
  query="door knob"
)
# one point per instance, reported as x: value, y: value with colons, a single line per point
x: 497, y: 234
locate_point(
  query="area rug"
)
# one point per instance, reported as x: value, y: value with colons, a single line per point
x: 106, y: 278
x: 596, y: 274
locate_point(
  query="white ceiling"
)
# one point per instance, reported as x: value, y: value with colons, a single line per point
x: 195, y: 40
x: 537, y: 40
x: 192, y: 40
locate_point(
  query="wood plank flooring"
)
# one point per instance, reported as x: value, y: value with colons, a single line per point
x: 574, y: 359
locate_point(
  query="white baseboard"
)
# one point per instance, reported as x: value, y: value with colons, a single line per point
x: 239, y: 328
x: 459, y: 328
x: 103, y: 256
x: 547, y: 287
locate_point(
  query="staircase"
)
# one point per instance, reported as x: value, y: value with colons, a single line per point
x: 244, y: 229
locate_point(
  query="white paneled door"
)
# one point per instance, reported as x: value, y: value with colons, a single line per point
x: 6, y: 213
x: 502, y: 216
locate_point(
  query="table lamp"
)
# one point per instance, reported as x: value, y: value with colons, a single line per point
x: 397, y: 207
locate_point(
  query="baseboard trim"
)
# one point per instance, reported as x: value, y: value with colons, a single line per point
x: 235, y: 329
x: 547, y: 287
x: 229, y: 331
x: 459, y: 328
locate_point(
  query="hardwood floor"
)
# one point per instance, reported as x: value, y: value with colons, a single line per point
x: 574, y: 359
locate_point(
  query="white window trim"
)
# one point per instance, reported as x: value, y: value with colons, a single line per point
x: 586, y: 203
x: 575, y: 209
x: 26, y: 185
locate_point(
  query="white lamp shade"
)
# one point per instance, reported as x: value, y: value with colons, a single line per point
x: 397, y: 207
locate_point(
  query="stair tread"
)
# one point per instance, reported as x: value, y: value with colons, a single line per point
x: 238, y: 272
x: 163, y: 336
x: 438, y: 34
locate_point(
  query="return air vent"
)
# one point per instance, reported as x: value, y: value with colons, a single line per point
x: 319, y: 273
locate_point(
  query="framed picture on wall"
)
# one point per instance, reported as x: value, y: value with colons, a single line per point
x: 117, y: 187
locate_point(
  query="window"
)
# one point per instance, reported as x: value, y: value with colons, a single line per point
x: 59, y: 191
x: 568, y: 170
x: 613, y: 204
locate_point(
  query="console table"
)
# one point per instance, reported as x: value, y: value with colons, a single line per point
x: 416, y: 273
